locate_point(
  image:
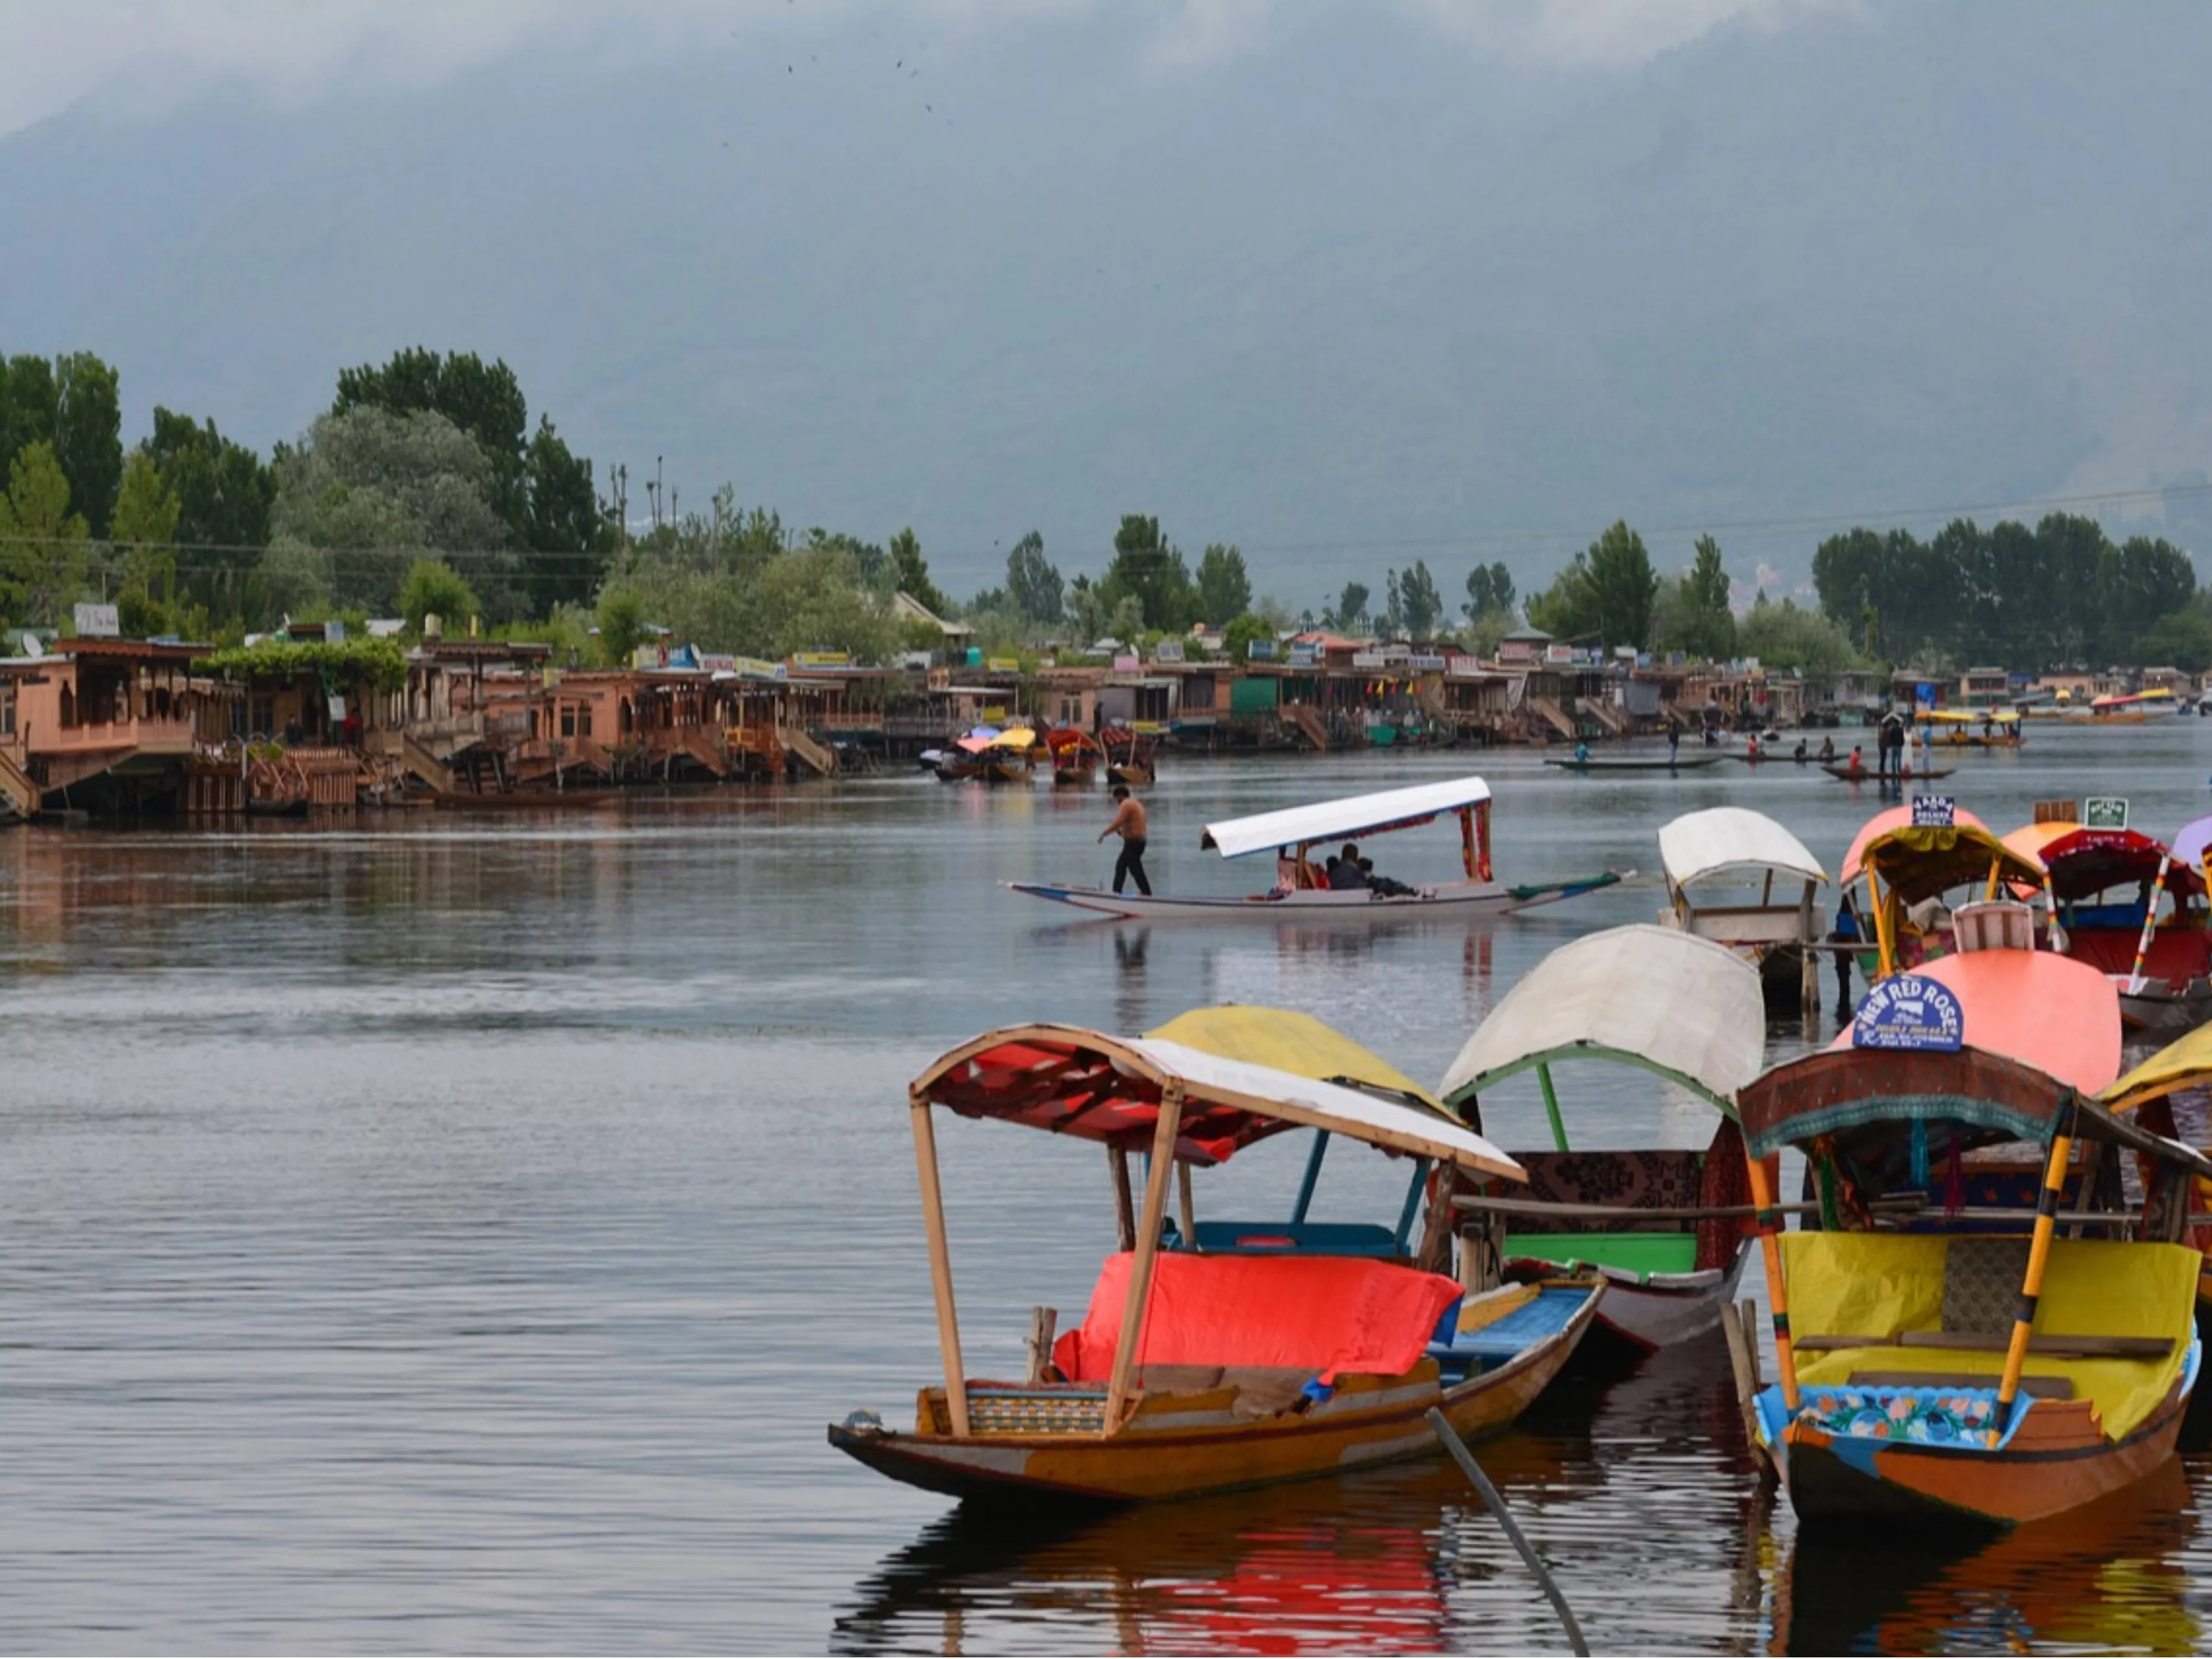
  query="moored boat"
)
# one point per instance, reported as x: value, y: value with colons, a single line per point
x: 1917, y: 880
x: 1633, y: 763
x: 1301, y: 889
x: 1710, y: 859
x: 1949, y: 1363
x: 1130, y: 756
x: 1909, y: 775
x: 1076, y: 756
x: 1669, y: 1228
x: 1199, y: 1370
x: 2105, y: 888
x: 1971, y: 728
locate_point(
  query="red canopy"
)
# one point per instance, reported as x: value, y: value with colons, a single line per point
x: 2087, y: 862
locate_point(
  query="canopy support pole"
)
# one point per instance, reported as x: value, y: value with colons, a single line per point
x: 1552, y: 1109
x: 2039, y: 1256
x: 1884, y: 926
x: 1136, y: 1304
x: 1777, y: 1295
x: 1185, y: 1211
x: 1125, y: 1211
x: 1307, y: 1182
x: 1412, y: 1205
x: 940, y: 1264
x: 2149, y: 927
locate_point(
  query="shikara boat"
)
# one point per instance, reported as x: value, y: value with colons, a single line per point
x: 2105, y: 888
x: 1131, y: 757
x: 1633, y: 763
x: 1301, y: 891
x: 1010, y: 756
x: 1953, y: 1363
x: 1923, y: 882
x: 1669, y: 1228
x: 1971, y: 728
x: 1200, y: 1369
x: 1722, y: 866
x: 1860, y: 773
x: 1076, y: 756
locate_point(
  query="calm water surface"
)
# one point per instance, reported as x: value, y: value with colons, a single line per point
x: 455, y: 1235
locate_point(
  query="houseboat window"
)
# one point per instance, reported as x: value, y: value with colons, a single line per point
x: 69, y: 706
x: 583, y: 720
x: 567, y: 720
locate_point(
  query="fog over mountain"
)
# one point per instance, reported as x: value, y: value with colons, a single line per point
x: 1348, y: 286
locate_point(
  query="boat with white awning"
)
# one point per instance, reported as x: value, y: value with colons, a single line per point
x: 1723, y: 868
x: 1304, y: 888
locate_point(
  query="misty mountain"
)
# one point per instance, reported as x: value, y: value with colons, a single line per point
x: 1353, y: 298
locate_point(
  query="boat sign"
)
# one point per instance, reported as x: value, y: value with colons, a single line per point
x: 1939, y: 812
x: 2105, y: 812
x: 1908, y: 1011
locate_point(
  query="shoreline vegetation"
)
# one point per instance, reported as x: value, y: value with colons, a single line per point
x: 425, y: 489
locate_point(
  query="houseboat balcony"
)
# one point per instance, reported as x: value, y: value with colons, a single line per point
x: 153, y: 735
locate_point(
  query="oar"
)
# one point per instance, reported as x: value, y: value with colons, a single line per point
x: 1490, y: 1496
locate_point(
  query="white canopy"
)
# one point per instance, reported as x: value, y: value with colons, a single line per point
x: 1672, y: 1003
x: 1354, y: 814
x: 1095, y: 1087
x: 1725, y: 838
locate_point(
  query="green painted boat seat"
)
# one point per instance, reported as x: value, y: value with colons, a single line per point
x: 1294, y: 1238
x: 1635, y: 1253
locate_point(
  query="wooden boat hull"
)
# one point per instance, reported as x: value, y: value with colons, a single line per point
x: 1197, y: 1448
x: 1666, y: 1308
x: 1486, y: 898
x: 1134, y: 776
x: 1862, y: 775
x: 1833, y: 1480
x: 2161, y: 1009
x: 1633, y: 763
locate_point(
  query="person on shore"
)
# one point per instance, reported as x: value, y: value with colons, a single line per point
x: 1128, y: 823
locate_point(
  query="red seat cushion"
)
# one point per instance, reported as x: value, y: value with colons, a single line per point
x: 1322, y: 1314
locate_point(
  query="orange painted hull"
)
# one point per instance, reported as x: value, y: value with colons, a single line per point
x: 1179, y: 1447
x: 2057, y: 1463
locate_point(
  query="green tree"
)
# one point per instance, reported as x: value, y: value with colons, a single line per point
x: 913, y: 570
x: 1623, y: 586
x: 45, y: 556
x: 1351, y: 612
x: 225, y: 492
x: 28, y: 403
x: 1236, y: 637
x: 1418, y: 605
x: 1786, y: 636
x: 622, y: 625
x: 1693, y: 613
x: 1489, y: 588
x: 482, y: 399
x: 88, y: 435
x: 2183, y: 640
x: 2140, y: 583
x: 1224, y: 590
x: 1149, y: 568
x: 1567, y: 609
x: 565, y: 530
x: 1087, y: 610
x: 432, y: 588
x: 1033, y: 585
x: 144, y: 525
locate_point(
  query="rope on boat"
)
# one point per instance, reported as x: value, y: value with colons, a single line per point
x: 1496, y: 1502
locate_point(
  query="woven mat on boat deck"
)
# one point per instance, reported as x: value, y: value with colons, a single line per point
x: 1982, y: 1278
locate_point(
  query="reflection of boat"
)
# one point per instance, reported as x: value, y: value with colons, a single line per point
x: 1632, y: 763
x: 522, y: 801
x: 1301, y: 890
x: 2104, y: 887
x: 1707, y: 858
x: 1932, y: 1373
x: 1206, y: 1370
x: 1687, y: 1012
x: 2101, y: 1578
x: 1912, y: 773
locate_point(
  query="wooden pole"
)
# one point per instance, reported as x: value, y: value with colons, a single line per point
x: 1777, y: 1295
x: 940, y: 1264
x: 1148, y: 1249
x: 1184, y: 1210
x: 2039, y: 1255
x: 1124, y: 1212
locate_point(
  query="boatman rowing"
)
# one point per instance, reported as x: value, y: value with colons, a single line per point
x: 1129, y: 824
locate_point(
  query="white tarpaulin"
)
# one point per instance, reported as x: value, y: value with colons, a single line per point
x: 1732, y: 838
x: 1651, y: 996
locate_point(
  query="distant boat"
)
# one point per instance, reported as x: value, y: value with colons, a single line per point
x: 1631, y: 763
x: 1860, y: 775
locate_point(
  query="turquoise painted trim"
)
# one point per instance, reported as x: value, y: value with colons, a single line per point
x: 1900, y: 1109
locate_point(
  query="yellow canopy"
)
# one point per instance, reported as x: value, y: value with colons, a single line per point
x: 1969, y: 716
x: 1293, y: 1043
x: 1015, y: 737
x: 2184, y: 1064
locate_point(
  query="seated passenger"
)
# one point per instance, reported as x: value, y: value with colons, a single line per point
x: 1344, y: 871
x: 1383, y: 884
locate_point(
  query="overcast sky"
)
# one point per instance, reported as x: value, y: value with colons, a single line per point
x: 142, y: 54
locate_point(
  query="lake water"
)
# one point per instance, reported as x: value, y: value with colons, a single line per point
x: 449, y: 1235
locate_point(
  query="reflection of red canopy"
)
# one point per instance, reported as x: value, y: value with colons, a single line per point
x: 2088, y: 861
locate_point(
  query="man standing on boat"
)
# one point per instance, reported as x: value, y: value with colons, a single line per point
x: 1129, y: 824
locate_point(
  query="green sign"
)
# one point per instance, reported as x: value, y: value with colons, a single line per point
x: 2105, y: 812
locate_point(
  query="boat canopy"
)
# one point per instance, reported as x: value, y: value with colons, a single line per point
x: 2185, y: 1063
x: 1860, y: 1096
x: 1290, y: 1042
x: 2087, y: 862
x: 1970, y: 716
x: 2060, y: 1016
x: 1732, y: 838
x: 1684, y: 1007
x: 1015, y: 737
x: 1095, y: 1087
x: 1889, y: 818
x: 1919, y: 861
x: 2193, y: 841
x: 1353, y: 816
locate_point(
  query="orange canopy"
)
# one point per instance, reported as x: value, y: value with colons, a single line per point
x: 2046, y: 1010
x: 1889, y: 818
